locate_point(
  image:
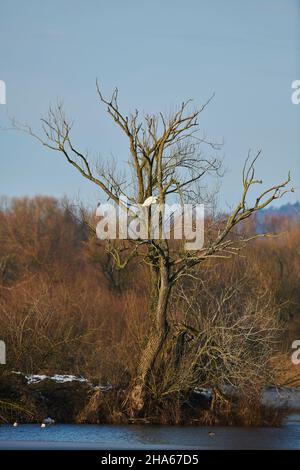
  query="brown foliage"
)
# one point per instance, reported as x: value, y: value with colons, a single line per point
x: 65, y: 309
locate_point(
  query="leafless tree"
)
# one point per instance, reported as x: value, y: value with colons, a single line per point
x: 166, y: 160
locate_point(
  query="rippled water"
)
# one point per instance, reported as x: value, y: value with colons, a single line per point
x: 65, y: 436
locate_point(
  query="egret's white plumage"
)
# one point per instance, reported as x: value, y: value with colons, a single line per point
x: 43, y: 425
x: 150, y: 200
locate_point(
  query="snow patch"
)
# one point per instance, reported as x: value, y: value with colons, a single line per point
x: 67, y: 378
x: 280, y: 398
x: 60, y: 378
x: 103, y: 388
x: 204, y: 392
x: 33, y: 378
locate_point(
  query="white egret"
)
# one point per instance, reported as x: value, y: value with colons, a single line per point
x: 149, y: 201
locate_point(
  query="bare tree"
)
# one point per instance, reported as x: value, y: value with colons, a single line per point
x: 166, y: 160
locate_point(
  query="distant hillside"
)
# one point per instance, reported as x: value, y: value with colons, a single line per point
x: 287, y: 211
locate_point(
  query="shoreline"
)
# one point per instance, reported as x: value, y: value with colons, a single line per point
x: 66, y: 399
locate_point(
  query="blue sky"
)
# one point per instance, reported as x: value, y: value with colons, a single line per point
x: 158, y: 53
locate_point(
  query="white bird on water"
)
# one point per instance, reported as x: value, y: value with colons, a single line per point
x: 15, y: 424
x: 149, y: 201
x: 43, y: 425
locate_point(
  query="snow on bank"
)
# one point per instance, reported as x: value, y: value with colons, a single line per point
x: 60, y: 378
x: 36, y: 378
x: 276, y: 398
x: 206, y: 393
x: 282, y: 398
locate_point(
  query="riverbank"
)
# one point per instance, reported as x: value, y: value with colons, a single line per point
x: 71, y: 399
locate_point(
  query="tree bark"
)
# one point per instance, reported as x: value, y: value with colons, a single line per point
x: 155, y: 343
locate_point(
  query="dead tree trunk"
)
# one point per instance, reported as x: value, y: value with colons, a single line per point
x: 155, y: 343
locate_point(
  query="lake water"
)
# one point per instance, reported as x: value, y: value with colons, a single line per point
x: 65, y: 436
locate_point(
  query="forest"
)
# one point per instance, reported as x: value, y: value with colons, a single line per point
x: 67, y: 306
